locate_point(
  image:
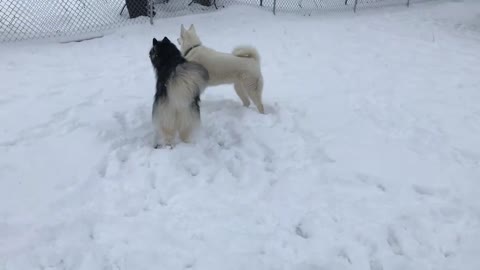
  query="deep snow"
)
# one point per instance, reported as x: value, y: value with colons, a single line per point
x: 368, y: 157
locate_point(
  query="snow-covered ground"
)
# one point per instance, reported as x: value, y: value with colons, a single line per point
x: 368, y: 157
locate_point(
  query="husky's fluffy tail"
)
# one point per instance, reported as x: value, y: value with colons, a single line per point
x: 247, y: 51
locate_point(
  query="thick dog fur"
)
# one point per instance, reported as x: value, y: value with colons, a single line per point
x: 240, y: 68
x: 176, y: 106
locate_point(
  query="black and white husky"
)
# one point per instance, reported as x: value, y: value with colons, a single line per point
x: 176, y: 106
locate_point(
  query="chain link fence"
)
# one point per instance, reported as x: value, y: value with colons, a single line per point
x: 34, y: 19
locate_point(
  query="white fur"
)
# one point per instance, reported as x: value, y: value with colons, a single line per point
x: 240, y: 68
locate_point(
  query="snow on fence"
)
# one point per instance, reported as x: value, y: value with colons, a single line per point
x: 29, y: 19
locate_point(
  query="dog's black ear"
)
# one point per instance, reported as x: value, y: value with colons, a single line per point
x: 154, y: 41
x: 166, y: 40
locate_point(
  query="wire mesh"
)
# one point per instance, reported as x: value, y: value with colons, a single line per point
x: 34, y: 19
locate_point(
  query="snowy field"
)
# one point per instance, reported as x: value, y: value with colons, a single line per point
x: 368, y: 157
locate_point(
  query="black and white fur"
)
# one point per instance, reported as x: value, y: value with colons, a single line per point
x: 176, y: 106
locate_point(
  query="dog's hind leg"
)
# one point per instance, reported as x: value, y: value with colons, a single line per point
x: 163, y: 118
x: 254, y: 89
x: 156, y: 139
x: 241, y: 94
x: 168, y: 136
x: 188, y: 121
x: 185, y: 134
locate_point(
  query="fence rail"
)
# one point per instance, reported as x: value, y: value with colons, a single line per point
x: 35, y: 19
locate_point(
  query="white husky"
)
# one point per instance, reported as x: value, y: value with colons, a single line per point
x: 240, y: 68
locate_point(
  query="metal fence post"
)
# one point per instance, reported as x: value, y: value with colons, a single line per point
x: 274, y: 6
x: 408, y: 3
x: 151, y: 11
x: 355, y: 6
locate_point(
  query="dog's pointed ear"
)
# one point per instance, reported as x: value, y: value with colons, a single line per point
x: 192, y: 28
x: 154, y: 41
x: 182, y: 30
x: 166, y: 40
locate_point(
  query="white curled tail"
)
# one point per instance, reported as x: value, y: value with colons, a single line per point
x: 247, y: 51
